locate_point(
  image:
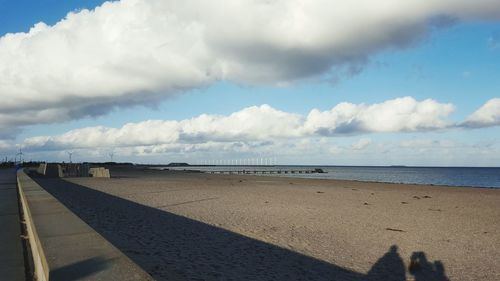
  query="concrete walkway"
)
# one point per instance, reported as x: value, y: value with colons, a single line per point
x: 11, y: 250
x: 66, y: 248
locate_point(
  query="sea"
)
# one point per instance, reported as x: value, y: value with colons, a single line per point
x: 442, y: 176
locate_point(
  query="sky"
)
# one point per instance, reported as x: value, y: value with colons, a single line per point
x: 300, y: 82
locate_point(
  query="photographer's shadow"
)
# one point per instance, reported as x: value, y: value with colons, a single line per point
x: 424, y: 270
x: 391, y: 267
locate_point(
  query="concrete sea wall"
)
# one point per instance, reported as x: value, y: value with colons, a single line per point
x: 63, y: 246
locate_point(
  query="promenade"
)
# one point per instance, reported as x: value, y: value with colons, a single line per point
x: 11, y: 249
x: 66, y: 248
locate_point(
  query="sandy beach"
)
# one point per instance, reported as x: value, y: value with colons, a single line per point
x: 194, y: 226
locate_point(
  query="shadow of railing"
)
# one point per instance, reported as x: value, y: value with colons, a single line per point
x: 169, y: 246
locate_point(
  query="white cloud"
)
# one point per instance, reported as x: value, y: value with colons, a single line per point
x: 487, y: 115
x: 137, y: 52
x: 252, y: 123
x: 401, y: 114
x: 307, y: 150
x: 446, y: 152
x: 258, y: 124
x: 427, y: 143
x: 4, y: 145
x: 262, y: 131
x: 361, y: 144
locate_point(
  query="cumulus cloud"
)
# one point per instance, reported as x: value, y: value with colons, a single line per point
x: 252, y: 123
x: 259, y: 124
x: 401, y: 114
x: 487, y: 115
x: 139, y: 51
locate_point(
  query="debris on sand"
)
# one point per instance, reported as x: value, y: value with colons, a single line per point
x: 394, y: 229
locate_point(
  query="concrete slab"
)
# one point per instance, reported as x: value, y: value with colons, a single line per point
x: 8, y: 185
x: 12, y: 273
x: 45, y: 205
x: 8, y: 199
x: 11, y: 246
x: 59, y: 224
x: 11, y: 249
x: 88, y: 255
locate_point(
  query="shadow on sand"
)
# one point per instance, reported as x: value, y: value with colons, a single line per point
x: 169, y: 246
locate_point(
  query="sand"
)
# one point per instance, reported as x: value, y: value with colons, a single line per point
x: 193, y: 226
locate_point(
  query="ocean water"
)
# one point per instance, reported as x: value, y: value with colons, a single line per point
x: 451, y: 176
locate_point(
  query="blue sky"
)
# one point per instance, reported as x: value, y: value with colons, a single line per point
x: 457, y: 64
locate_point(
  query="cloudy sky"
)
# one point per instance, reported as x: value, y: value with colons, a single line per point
x: 361, y: 82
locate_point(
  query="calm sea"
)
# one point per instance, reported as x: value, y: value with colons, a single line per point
x: 452, y: 176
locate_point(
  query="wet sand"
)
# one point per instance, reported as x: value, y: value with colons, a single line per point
x: 192, y: 226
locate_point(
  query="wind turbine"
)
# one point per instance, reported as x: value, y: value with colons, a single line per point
x: 70, y: 154
x: 20, y: 153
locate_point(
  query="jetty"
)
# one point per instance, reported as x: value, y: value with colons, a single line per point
x: 256, y: 171
x: 249, y: 170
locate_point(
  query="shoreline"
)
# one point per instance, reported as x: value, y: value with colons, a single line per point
x: 382, y: 182
x: 331, y: 179
x: 397, y: 175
